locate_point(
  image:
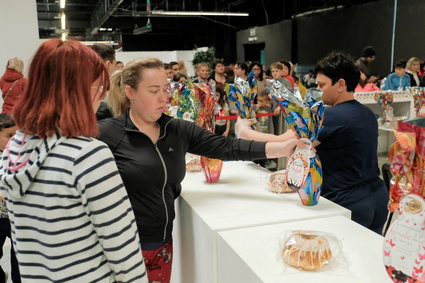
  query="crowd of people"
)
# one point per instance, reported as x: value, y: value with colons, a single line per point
x: 90, y: 177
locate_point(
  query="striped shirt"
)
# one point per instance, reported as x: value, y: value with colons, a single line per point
x: 70, y: 214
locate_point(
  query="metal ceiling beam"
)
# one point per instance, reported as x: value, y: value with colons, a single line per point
x: 104, y: 9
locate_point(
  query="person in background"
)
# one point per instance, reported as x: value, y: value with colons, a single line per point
x: 218, y: 74
x: 222, y: 127
x: 119, y: 65
x: 12, y: 84
x: 175, y: 67
x: 265, y: 124
x: 412, y: 69
x: 399, y: 79
x: 347, y: 144
x: 241, y: 70
x: 150, y: 148
x: 180, y: 78
x: 276, y: 70
x: 257, y: 68
x: 7, y: 130
x: 364, y: 85
x: 287, y: 70
x: 107, y: 54
x: 168, y: 71
x: 202, y: 73
x: 69, y: 211
x: 367, y: 56
x: 183, y: 69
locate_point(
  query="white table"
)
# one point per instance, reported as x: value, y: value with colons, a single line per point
x: 238, y: 200
x: 250, y: 255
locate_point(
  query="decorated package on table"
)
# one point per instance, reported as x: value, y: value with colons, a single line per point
x: 242, y: 94
x: 407, y: 157
x: 173, y: 98
x: 418, y: 94
x: 386, y: 99
x: 305, y: 117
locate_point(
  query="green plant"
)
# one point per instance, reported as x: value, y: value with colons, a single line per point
x: 204, y: 57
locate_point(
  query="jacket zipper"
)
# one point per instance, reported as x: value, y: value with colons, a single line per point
x: 163, y: 191
x: 165, y: 181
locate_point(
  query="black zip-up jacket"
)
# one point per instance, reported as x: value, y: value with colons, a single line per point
x: 152, y: 173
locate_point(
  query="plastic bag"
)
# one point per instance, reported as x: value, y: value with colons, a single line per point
x: 276, y: 182
x: 311, y: 251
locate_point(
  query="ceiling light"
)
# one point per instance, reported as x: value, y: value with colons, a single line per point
x: 63, y: 24
x: 62, y: 4
x: 102, y: 29
x: 196, y: 13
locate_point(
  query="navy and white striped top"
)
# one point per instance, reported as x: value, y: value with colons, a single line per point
x: 70, y: 214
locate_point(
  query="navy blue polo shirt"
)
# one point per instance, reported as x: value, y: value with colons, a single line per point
x: 348, y: 152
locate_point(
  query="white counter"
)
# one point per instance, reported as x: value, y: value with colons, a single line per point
x: 238, y: 200
x: 250, y: 255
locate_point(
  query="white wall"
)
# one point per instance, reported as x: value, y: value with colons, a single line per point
x: 18, y: 30
x: 165, y: 56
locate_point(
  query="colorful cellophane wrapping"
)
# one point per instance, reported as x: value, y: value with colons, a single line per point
x: 195, y: 103
x: 386, y: 99
x: 173, y: 99
x: 242, y: 93
x: 305, y: 117
x: 407, y: 158
x: 418, y: 94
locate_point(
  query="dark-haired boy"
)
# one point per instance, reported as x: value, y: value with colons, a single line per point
x: 7, y: 130
x: 399, y: 79
x: 347, y: 145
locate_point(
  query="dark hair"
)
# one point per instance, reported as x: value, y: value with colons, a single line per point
x: 253, y: 64
x: 6, y: 121
x: 287, y: 65
x: 400, y: 64
x: 243, y: 66
x: 337, y: 65
x: 216, y: 62
x: 222, y: 99
x: 167, y: 66
x: 106, y: 52
x: 120, y: 62
x: 177, y: 77
x: 368, y: 51
x: 172, y: 63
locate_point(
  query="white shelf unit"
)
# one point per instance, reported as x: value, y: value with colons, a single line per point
x: 403, y: 105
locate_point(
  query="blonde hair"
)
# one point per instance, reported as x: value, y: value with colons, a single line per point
x: 15, y: 64
x: 411, y: 61
x: 277, y: 65
x: 200, y: 65
x: 183, y: 69
x: 130, y: 75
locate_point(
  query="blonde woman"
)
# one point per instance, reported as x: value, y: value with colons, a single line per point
x: 412, y: 69
x: 150, y: 148
x: 12, y: 84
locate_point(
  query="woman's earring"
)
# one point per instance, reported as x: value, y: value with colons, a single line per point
x: 131, y: 100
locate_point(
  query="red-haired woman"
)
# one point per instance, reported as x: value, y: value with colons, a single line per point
x: 70, y: 214
x: 12, y: 84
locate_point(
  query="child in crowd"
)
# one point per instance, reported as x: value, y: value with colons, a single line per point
x: 276, y: 69
x: 7, y: 130
x: 265, y: 124
x: 364, y: 85
x: 222, y: 127
x: 399, y: 79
